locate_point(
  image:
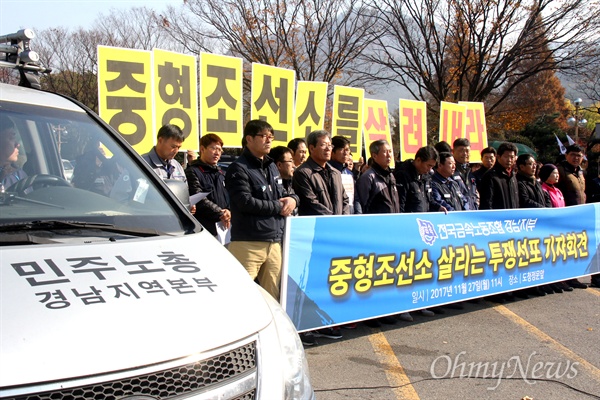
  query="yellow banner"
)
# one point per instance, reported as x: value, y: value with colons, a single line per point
x: 347, y: 118
x: 175, y: 95
x: 273, y: 100
x: 125, y: 94
x: 476, y: 129
x: 377, y: 124
x: 412, y: 127
x: 452, y: 121
x: 221, y: 97
x: 311, y: 102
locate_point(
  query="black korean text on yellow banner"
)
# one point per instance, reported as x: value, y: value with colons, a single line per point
x: 347, y: 118
x: 221, y: 89
x: 377, y: 123
x: 475, y: 130
x: 311, y: 102
x: 452, y: 121
x: 273, y: 100
x: 175, y: 95
x: 125, y: 94
x: 412, y: 127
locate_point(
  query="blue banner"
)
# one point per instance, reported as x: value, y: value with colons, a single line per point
x: 343, y: 269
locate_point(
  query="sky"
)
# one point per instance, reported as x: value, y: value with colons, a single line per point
x: 42, y: 14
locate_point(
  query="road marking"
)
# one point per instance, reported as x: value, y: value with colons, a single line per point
x: 594, y: 292
x: 548, y: 339
x: 393, y: 369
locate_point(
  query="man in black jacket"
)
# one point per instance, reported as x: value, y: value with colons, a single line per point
x: 258, y: 207
x: 377, y: 187
x: 499, y: 189
x: 413, y: 180
x: 205, y: 175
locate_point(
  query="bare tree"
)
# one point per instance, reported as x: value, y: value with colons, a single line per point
x: 454, y: 50
x: 73, y: 60
x: 135, y: 28
x: 587, y: 81
x: 318, y: 39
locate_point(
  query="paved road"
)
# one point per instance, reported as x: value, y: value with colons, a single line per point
x: 544, y: 347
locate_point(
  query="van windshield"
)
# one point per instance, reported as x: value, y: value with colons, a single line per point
x: 62, y: 165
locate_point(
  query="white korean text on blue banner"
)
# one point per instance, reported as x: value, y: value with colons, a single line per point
x: 350, y: 268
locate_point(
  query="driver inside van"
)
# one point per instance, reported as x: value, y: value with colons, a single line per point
x: 10, y: 172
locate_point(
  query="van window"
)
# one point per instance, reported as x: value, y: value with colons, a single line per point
x: 69, y: 168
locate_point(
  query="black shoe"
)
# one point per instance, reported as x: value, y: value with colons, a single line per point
x: 455, y: 306
x: 373, y: 323
x: 574, y: 283
x: 595, y: 282
x: 496, y: 298
x: 438, y: 310
x: 509, y: 296
x: 331, y: 333
x: 537, y: 291
x: 388, y: 320
x: 522, y: 294
x: 564, y: 286
x: 547, y: 289
x: 308, y: 339
x: 556, y: 288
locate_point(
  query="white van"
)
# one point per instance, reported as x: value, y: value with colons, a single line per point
x: 109, y: 288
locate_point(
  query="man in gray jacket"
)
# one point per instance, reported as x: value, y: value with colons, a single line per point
x: 317, y: 184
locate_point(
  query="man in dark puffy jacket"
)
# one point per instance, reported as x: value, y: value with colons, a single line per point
x: 531, y: 194
x: 258, y: 207
x: 205, y: 175
x: 413, y: 180
x: 499, y: 189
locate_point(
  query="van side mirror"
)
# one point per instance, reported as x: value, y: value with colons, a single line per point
x: 180, y: 190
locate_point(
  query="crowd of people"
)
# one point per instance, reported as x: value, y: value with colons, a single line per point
x: 316, y: 176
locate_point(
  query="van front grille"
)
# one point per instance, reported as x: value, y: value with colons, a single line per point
x: 167, y: 384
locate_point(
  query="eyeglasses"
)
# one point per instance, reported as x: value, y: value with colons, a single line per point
x: 267, y: 136
x: 216, y: 149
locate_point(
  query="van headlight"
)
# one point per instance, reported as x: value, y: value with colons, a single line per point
x: 292, y: 361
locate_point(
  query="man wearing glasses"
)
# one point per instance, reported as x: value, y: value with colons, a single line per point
x: 259, y: 206
x: 317, y: 183
x: 205, y: 175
